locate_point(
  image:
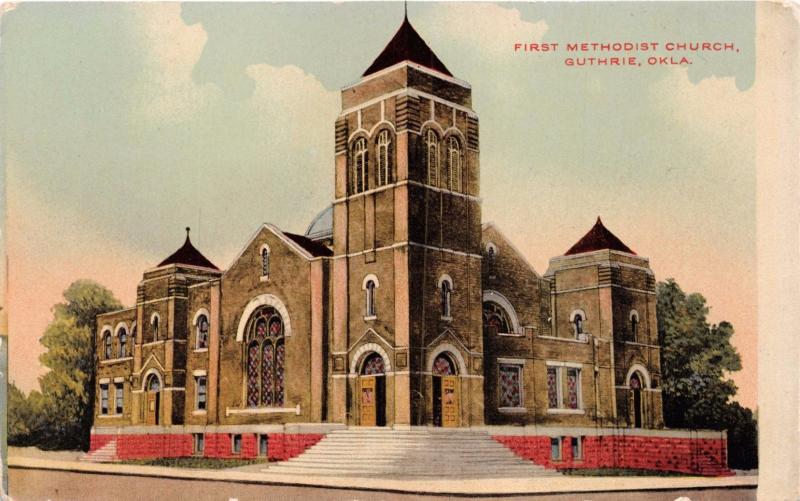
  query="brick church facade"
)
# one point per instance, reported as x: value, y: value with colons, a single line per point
x: 397, y: 308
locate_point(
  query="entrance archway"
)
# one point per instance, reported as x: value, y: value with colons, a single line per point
x: 372, y: 391
x: 446, y: 399
x: 635, y: 385
x: 153, y: 400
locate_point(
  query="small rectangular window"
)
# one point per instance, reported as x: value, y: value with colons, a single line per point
x: 119, y: 397
x: 103, y: 399
x: 555, y: 448
x: 263, y: 443
x: 577, y: 447
x: 552, y: 388
x: 510, y: 385
x: 573, y: 385
x: 236, y: 443
x: 199, y: 443
x: 201, y: 393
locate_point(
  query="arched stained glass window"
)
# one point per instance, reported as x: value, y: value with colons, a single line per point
x: 266, y: 355
x: 359, y: 159
x: 384, y: 158
x: 153, y: 383
x: 373, y: 365
x: 432, y: 157
x: 202, y: 332
x: 443, y: 366
x: 453, y: 171
x: 123, y: 343
x: 495, y: 319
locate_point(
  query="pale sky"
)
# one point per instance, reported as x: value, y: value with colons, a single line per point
x: 123, y: 123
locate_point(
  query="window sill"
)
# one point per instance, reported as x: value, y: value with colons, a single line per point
x: 566, y: 411
x: 229, y: 411
x: 199, y: 412
x: 567, y: 339
x: 371, y: 317
x: 200, y: 350
x: 115, y: 360
x: 511, y: 334
x: 264, y: 278
x: 447, y: 319
x: 109, y: 416
x: 512, y: 410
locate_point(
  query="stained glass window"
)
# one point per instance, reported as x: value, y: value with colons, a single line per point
x: 373, y: 365
x: 452, y: 179
x: 432, y: 157
x: 123, y: 343
x: 370, y: 297
x: 552, y: 388
x: 202, y: 332
x: 635, y: 383
x: 443, y: 366
x: 573, y: 380
x: 266, y: 359
x: 107, y: 343
x: 495, y: 319
x: 510, y: 385
x: 153, y: 384
x: 359, y: 165
x: 384, y: 158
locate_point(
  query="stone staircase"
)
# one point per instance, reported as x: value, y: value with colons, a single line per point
x: 424, y: 452
x: 105, y: 454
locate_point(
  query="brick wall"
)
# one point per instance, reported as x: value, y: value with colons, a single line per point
x: 685, y: 455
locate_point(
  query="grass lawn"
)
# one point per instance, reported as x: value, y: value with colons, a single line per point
x: 621, y: 472
x: 195, y: 462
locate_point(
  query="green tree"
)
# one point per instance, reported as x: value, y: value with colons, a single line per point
x: 19, y: 417
x: 696, y: 360
x: 66, y: 397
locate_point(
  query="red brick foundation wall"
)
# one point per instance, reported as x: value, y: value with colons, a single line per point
x: 280, y: 446
x: 685, y: 455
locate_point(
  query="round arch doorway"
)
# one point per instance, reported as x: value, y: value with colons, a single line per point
x: 446, y: 408
x: 153, y: 400
x: 372, y: 391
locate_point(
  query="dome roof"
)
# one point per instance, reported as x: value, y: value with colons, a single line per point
x: 188, y: 254
x: 598, y: 238
x: 321, y: 228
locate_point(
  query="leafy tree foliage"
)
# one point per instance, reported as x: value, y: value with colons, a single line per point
x: 59, y: 415
x: 696, y: 359
x: 19, y: 417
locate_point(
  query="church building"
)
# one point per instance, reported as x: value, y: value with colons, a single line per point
x: 398, y: 308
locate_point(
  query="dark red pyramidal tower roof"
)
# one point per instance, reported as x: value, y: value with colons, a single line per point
x: 407, y: 45
x: 598, y: 238
x: 187, y: 254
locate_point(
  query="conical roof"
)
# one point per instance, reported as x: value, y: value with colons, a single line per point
x: 188, y: 254
x: 598, y: 238
x: 407, y: 45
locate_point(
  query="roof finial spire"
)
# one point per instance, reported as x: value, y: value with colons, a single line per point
x: 405, y: 9
x: 187, y: 232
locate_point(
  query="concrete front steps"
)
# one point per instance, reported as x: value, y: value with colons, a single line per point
x: 105, y: 454
x: 423, y: 452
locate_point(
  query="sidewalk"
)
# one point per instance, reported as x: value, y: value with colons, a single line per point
x: 499, y: 487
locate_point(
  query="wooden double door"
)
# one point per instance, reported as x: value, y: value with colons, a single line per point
x: 446, y: 401
x: 372, y: 400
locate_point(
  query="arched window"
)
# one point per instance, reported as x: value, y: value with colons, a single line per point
x: 446, y: 293
x: 123, y: 343
x: 432, y: 157
x: 373, y: 365
x: 634, y: 325
x: 443, y: 366
x: 495, y: 319
x: 370, y: 297
x: 453, y: 171
x: 264, y: 262
x: 577, y: 323
x: 153, y: 383
x: 107, y: 345
x: 491, y: 259
x: 155, y: 321
x: 359, y: 156
x: 202, y: 332
x: 384, y: 160
x: 266, y: 356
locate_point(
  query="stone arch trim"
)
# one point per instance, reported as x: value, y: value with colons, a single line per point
x: 364, y: 350
x: 577, y: 311
x: 106, y: 329
x: 454, y: 353
x: 201, y: 311
x: 633, y: 314
x: 641, y: 370
x: 493, y: 246
x: 497, y: 298
x: 121, y: 325
x: 257, y: 302
x: 367, y: 278
x: 147, y: 375
x: 445, y: 278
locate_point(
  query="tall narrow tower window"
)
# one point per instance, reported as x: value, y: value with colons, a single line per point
x: 578, y: 324
x: 453, y: 171
x: 359, y: 153
x: 384, y: 154
x: 264, y: 262
x: 446, y: 293
x: 370, y: 296
x: 432, y: 157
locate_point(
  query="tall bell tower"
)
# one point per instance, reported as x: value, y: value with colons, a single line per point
x: 406, y: 342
